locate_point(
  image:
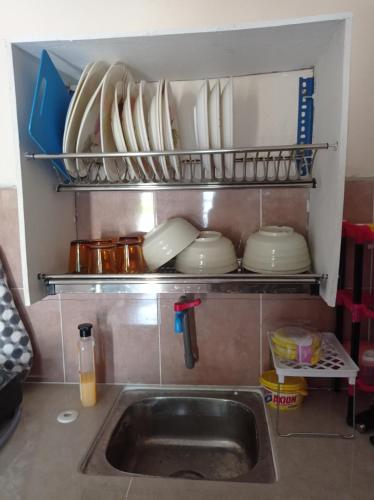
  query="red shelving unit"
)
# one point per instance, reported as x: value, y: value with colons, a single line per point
x: 359, y: 233
x: 364, y: 387
x: 358, y: 311
x: 359, y: 303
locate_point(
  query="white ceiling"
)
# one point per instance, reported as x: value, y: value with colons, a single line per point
x: 231, y: 52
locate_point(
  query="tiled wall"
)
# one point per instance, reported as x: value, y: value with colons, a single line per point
x: 134, y: 334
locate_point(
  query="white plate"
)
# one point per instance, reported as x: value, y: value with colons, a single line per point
x: 118, y: 135
x: 86, y: 87
x: 89, y: 134
x: 154, y: 127
x: 74, y: 98
x: 114, y: 167
x: 202, y: 127
x: 128, y: 125
x: 141, y: 105
x: 163, y: 159
x: 215, y: 127
x: 227, y: 122
x: 170, y: 129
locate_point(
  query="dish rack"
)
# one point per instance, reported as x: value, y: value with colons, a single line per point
x: 168, y: 280
x: 334, y: 363
x: 246, y: 167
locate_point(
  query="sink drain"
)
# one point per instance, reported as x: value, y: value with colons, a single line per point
x: 187, y: 474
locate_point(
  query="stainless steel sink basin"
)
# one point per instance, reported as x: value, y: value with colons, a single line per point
x: 217, y: 435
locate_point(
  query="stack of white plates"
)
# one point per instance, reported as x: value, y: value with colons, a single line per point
x: 110, y: 112
x: 213, y: 121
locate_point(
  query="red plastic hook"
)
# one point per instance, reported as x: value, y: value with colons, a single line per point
x: 182, y: 306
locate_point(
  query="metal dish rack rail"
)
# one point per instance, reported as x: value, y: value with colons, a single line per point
x: 246, y: 167
x: 167, y: 280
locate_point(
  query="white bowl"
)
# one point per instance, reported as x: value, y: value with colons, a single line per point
x: 167, y: 240
x: 210, y: 253
x: 276, y: 250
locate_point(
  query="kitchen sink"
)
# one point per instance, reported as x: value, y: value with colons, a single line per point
x: 193, y: 433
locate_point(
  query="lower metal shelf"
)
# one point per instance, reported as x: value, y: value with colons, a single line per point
x: 257, y: 167
x: 172, y: 282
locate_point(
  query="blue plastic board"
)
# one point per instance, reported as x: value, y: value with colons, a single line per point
x: 49, y: 108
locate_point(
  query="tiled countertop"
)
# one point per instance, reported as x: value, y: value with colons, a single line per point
x: 40, y: 462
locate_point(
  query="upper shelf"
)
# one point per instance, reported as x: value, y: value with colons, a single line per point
x: 246, y: 167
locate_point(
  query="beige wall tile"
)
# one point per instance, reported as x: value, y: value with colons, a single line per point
x: 278, y: 310
x: 126, y: 335
x: 358, y: 200
x: 236, y: 213
x: 228, y: 341
x: 43, y: 323
x: 285, y: 207
x: 114, y: 213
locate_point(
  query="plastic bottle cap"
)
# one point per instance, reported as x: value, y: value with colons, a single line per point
x: 67, y: 416
x: 85, y: 329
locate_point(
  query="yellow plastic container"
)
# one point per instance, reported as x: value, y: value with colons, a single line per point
x: 292, y: 392
x: 286, y: 347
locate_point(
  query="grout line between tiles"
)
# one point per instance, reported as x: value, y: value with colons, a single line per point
x: 128, y: 489
x: 155, y: 216
x: 159, y: 335
x: 261, y: 338
x: 62, y: 340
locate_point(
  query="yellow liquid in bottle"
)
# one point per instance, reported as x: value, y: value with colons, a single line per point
x: 88, y: 388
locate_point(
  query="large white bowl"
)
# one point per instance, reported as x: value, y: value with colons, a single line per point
x: 210, y: 253
x: 276, y: 250
x: 167, y: 240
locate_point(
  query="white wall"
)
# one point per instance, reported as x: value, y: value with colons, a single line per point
x: 39, y: 19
